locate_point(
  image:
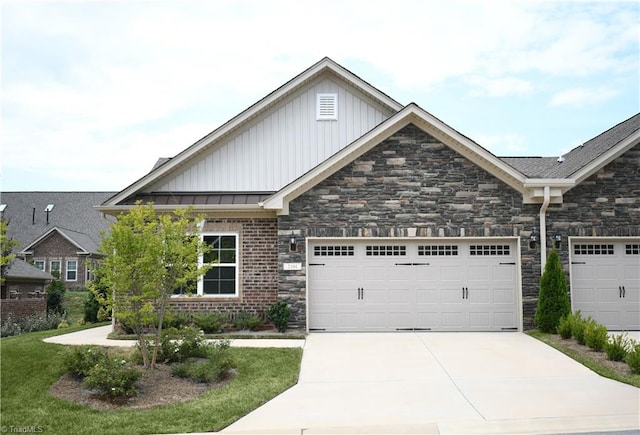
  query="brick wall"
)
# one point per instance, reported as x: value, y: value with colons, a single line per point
x: 56, y: 247
x: 23, y: 299
x: 258, y: 285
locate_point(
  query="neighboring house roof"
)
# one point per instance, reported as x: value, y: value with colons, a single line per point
x: 324, y: 66
x: 73, y: 214
x: 21, y: 270
x: 84, y: 243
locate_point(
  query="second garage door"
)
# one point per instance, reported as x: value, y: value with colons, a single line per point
x: 357, y: 285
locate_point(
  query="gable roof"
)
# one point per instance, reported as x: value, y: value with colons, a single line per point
x: 411, y: 114
x: 73, y: 213
x: 21, y: 270
x: 164, y: 166
x: 84, y: 243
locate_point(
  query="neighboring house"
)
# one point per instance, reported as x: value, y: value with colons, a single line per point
x: 58, y: 232
x: 366, y: 215
x: 24, y: 291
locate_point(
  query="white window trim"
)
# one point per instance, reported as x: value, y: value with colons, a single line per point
x: 51, y: 269
x: 200, y: 286
x: 66, y: 271
x: 43, y: 262
x: 333, y: 115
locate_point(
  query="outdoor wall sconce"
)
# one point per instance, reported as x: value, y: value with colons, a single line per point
x: 557, y: 241
x: 293, y: 243
x: 533, y: 239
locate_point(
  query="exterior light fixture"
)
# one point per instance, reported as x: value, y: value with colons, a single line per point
x: 293, y: 243
x: 557, y: 241
x: 533, y: 239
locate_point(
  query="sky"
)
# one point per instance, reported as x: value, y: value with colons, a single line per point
x: 94, y: 92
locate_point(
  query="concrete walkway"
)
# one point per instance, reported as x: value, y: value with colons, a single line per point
x: 98, y: 337
x: 442, y: 383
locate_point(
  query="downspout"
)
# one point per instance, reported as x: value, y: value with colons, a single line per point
x: 543, y: 228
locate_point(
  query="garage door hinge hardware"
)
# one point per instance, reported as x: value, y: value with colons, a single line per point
x: 509, y: 263
x: 510, y: 329
x: 316, y: 264
x: 317, y: 329
x: 412, y: 264
x: 578, y: 262
x: 413, y: 329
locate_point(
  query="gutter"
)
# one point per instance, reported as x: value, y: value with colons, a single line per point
x: 543, y: 228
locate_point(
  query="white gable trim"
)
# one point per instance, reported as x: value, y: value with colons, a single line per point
x: 314, y: 71
x: 28, y: 249
x: 601, y: 161
x: 411, y: 114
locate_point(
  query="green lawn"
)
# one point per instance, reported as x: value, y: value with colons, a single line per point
x: 30, y: 367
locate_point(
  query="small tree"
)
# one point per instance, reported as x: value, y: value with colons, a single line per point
x: 6, y: 247
x: 146, y: 257
x: 553, y: 300
x: 55, y: 295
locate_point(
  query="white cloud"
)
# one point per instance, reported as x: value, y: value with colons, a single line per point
x: 502, y: 87
x: 505, y: 145
x: 582, y: 97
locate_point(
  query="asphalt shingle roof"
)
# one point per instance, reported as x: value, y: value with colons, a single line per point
x: 73, y: 213
x: 22, y: 270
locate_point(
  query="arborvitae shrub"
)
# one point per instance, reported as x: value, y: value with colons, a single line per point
x: 595, y: 335
x: 565, y: 326
x: 553, y: 300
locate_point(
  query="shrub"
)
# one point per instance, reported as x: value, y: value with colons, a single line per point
x: 245, y: 320
x: 565, y: 326
x: 279, y: 314
x: 210, y: 323
x: 553, y: 300
x: 214, y: 368
x: 180, y: 344
x: 577, y: 329
x: 595, y: 335
x: 175, y: 320
x: 617, y: 347
x: 55, y: 296
x: 94, y: 310
x: 113, y: 377
x: 82, y: 359
x: 633, y: 358
x: 34, y: 322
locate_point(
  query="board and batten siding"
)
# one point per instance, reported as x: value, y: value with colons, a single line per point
x: 280, y: 145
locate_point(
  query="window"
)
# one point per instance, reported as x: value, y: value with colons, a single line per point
x: 39, y: 264
x: 72, y: 270
x: 489, y: 250
x: 54, y: 268
x: 632, y: 249
x: 222, y: 278
x: 438, y: 250
x: 593, y: 249
x: 333, y: 251
x: 327, y: 107
x: 386, y: 251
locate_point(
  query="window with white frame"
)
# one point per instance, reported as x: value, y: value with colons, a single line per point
x: 222, y: 278
x: 72, y: 270
x: 54, y: 268
x: 39, y: 264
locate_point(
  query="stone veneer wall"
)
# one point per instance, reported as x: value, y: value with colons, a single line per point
x: 409, y: 181
x: 258, y: 269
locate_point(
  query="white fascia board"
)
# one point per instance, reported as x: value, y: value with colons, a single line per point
x: 410, y: 114
x: 45, y: 235
x: 606, y: 158
x: 314, y: 71
x: 534, y: 189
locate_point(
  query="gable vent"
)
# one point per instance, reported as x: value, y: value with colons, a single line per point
x: 327, y: 107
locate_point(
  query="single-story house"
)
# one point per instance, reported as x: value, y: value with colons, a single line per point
x: 364, y: 214
x: 24, y: 291
x: 57, y: 232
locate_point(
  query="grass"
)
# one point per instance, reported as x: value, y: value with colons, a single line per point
x: 30, y: 367
x: 74, y: 305
x: 584, y: 359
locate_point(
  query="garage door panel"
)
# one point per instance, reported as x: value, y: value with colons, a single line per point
x: 426, y: 296
x: 604, y: 275
x: 503, y: 296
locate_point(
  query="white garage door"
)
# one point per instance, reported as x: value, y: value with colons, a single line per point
x: 605, y: 281
x: 378, y: 285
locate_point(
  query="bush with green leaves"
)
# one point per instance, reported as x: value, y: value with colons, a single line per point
x: 618, y: 346
x: 55, y: 296
x: 578, y: 326
x: 180, y: 344
x: 279, y: 314
x: 175, y: 320
x: 210, y: 323
x: 565, y: 326
x: 553, y: 299
x: 82, y: 359
x: 94, y: 310
x: 213, y: 368
x: 34, y: 322
x: 245, y: 320
x: 113, y: 377
x: 633, y: 358
x: 595, y: 335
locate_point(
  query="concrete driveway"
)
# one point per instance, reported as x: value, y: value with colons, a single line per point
x: 442, y: 383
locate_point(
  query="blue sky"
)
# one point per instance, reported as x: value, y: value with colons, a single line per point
x: 93, y: 92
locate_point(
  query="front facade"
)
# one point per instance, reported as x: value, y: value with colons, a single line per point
x: 366, y: 215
